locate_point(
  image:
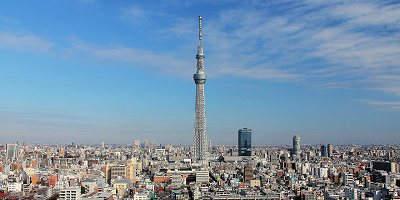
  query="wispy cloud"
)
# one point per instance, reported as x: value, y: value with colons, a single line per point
x: 28, y: 42
x: 346, y: 44
x: 368, y: 13
x: 135, y: 14
x: 138, y: 58
x: 336, y: 44
x: 385, y: 105
x: 260, y: 72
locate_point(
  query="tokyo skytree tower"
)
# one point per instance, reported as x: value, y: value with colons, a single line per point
x: 200, y: 134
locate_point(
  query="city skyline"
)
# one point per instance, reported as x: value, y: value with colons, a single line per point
x: 91, y: 71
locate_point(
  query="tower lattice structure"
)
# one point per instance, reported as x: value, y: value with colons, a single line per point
x: 200, y: 132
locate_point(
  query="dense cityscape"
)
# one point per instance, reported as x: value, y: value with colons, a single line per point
x: 146, y: 170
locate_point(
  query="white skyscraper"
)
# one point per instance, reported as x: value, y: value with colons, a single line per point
x: 136, y: 145
x: 200, y: 132
x: 12, y: 151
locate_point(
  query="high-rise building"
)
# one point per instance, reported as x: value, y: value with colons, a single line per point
x: 248, y: 171
x: 153, y: 146
x: 12, y: 151
x: 248, y: 174
x: 296, y: 146
x: 330, y: 150
x: 136, y: 145
x: 200, y: 132
x: 323, y: 151
x: 244, y: 142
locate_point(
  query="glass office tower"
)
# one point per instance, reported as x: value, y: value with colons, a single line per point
x: 244, y: 142
x: 323, y: 151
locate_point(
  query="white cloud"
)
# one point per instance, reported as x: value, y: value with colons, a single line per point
x: 29, y: 43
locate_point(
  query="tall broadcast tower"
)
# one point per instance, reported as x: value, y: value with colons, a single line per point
x: 200, y: 134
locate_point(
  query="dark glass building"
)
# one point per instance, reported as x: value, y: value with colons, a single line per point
x: 244, y: 142
x: 323, y: 151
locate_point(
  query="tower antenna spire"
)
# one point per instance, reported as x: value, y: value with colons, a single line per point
x: 200, y: 30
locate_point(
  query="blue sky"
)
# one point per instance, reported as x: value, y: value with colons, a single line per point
x: 114, y: 71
